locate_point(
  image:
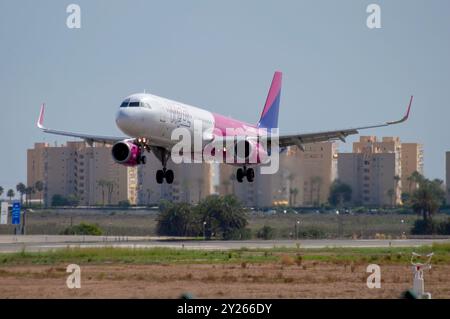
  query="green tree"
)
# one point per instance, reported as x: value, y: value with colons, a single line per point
x: 1, y: 191
x: 10, y: 194
x: 21, y: 188
x: 224, y: 216
x: 340, y: 193
x: 177, y: 219
x: 427, y: 199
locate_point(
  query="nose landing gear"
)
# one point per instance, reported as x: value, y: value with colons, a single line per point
x: 163, y: 155
x: 245, y: 172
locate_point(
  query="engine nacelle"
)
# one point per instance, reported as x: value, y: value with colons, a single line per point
x: 250, y: 152
x: 126, y: 153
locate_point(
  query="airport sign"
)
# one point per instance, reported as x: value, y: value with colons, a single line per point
x: 16, y: 213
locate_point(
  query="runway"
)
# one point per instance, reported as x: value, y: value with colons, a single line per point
x: 36, y: 243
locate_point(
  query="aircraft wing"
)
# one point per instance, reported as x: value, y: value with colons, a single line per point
x: 307, y: 138
x: 88, y: 138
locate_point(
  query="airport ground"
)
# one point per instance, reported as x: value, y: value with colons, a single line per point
x: 236, y: 273
x: 120, y: 222
x: 128, y: 261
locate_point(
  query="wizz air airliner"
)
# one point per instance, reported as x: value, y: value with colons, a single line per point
x: 149, y: 120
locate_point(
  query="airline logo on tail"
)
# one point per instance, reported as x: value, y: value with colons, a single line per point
x: 269, y: 116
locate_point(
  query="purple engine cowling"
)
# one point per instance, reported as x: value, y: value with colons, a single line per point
x: 126, y: 153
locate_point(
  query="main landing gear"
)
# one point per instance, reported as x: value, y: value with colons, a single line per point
x: 163, y: 155
x: 164, y: 173
x: 245, y: 172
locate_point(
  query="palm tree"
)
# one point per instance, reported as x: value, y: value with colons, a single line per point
x: 397, y: 180
x: 232, y: 178
x: 391, y: 194
x: 294, y: 193
x: 415, y: 178
x: 28, y: 191
x: 315, y: 180
x: 200, y: 182
x: 10, y: 194
x: 102, y: 183
x: 110, y: 186
x: 226, y: 185
x: 39, y: 186
x: 291, y: 193
x: 149, y: 193
x: 21, y: 189
x: 427, y: 199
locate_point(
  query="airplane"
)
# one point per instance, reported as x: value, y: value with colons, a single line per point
x: 149, y: 120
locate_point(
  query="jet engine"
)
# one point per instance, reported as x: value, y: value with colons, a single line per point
x: 127, y: 153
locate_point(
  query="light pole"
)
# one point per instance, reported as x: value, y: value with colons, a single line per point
x: 402, y: 232
x: 339, y: 220
x: 297, y: 225
x: 204, y: 230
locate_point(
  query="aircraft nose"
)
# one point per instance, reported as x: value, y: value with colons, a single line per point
x: 122, y: 118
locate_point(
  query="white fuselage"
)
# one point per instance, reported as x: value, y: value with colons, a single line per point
x: 155, y: 118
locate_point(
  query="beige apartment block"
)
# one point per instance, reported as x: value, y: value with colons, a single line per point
x: 193, y: 182
x: 304, y: 178
x: 76, y: 169
x: 311, y: 172
x: 266, y: 190
x: 412, y: 161
x: 373, y: 171
x: 447, y: 176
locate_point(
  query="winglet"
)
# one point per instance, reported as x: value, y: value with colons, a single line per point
x: 404, y: 118
x: 40, y: 122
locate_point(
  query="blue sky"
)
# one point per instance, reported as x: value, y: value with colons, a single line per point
x: 221, y: 55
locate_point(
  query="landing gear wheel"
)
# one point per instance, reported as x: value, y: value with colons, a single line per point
x: 240, y: 175
x: 159, y: 176
x: 169, y: 176
x: 250, y: 175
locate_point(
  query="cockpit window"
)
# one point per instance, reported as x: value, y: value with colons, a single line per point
x: 125, y: 103
x: 134, y: 104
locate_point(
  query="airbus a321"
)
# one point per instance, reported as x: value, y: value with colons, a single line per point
x: 149, y: 120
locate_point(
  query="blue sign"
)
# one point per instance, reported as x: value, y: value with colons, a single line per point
x: 16, y: 213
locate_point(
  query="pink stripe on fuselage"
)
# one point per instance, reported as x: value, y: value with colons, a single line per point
x: 273, y: 92
x: 222, y: 123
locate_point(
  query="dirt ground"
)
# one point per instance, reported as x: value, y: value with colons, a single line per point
x: 308, y: 280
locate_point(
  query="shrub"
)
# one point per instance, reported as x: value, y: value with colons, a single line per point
x: 83, y: 229
x: 429, y: 227
x: 124, y: 203
x: 287, y: 260
x: 266, y: 233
